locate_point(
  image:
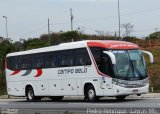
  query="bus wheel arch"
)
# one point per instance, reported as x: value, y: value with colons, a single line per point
x: 29, y: 91
x: 89, y: 92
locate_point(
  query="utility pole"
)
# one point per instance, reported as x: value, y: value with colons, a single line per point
x: 119, y: 20
x: 71, y: 19
x: 115, y: 35
x: 2, y: 70
x: 6, y: 26
x: 49, y: 37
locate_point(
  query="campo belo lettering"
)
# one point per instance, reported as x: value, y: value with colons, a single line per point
x: 66, y: 71
x: 71, y: 71
x: 81, y: 70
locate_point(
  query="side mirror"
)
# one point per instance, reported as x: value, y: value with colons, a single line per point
x: 150, y: 55
x: 111, y: 55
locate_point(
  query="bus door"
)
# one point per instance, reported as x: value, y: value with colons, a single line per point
x: 105, y: 67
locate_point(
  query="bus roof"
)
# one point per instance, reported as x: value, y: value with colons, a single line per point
x: 109, y: 44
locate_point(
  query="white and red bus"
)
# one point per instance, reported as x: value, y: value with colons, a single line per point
x: 89, y: 68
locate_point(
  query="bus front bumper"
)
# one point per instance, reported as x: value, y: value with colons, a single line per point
x: 118, y: 90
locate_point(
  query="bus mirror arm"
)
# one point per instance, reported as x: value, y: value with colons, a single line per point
x: 150, y: 55
x: 111, y: 55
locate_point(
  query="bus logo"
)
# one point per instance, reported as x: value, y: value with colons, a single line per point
x: 39, y: 72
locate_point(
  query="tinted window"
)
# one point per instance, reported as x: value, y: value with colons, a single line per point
x: 24, y: 62
x: 38, y: 61
x: 51, y: 59
x: 81, y: 57
x: 96, y: 54
x: 102, y: 60
x: 66, y: 58
x: 10, y: 63
x: 13, y: 63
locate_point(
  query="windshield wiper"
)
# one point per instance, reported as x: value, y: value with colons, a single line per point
x: 135, y: 68
x: 128, y: 71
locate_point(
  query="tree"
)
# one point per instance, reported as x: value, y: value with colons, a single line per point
x: 128, y: 28
x: 70, y: 36
x: 34, y: 43
x: 5, y: 48
x: 55, y: 38
x: 18, y: 46
x: 155, y: 35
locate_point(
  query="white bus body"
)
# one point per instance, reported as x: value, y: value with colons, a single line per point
x: 73, y: 69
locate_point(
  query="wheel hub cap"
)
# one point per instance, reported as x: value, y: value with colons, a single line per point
x: 91, y: 94
x: 30, y: 94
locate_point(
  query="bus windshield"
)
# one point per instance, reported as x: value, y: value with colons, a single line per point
x: 129, y: 65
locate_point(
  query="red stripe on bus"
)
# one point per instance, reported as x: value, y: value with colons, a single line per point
x: 113, y: 44
x: 15, y: 72
x: 39, y: 73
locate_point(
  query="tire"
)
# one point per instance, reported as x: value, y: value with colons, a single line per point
x: 56, y: 98
x: 120, y: 98
x: 91, y: 94
x: 30, y: 94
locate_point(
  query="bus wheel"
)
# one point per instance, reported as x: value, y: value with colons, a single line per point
x: 30, y: 94
x: 91, y: 94
x: 56, y: 98
x: 120, y: 98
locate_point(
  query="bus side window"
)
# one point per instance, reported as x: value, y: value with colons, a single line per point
x: 81, y: 57
x: 24, y: 62
x: 10, y: 63
x: 13, y: 63
x: 96, y: 54
x: 38, y: 61
x: 66, y: 58
x: 51, y: 60
x: 16, y: 63
x: 102, y: 60
x: 106, y: 65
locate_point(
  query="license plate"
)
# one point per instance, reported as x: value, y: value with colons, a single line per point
x: 135, y: 91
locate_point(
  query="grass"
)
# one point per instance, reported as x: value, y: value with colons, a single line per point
x: 154, y: 69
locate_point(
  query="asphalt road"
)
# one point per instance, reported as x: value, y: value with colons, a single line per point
x: 74, y: 106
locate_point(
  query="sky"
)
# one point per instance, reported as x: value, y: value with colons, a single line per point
x: 29, y: 18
